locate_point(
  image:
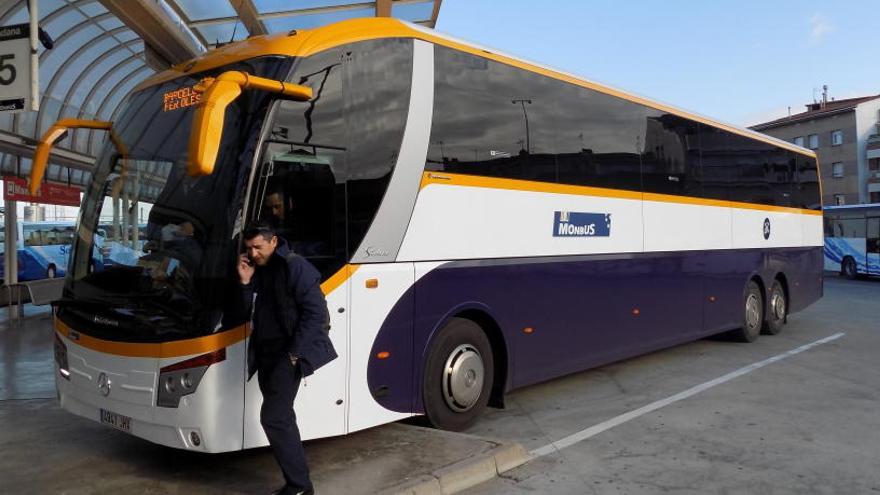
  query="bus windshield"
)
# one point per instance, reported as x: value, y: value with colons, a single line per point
x: 165, y: 238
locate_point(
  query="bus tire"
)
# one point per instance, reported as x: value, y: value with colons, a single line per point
x: 777, y: 310
x: 753, y: 314
x: 848, y: 268
x: 459, y: 371
x: 51, y: 272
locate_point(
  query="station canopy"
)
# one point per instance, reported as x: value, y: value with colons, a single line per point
x: 104, y: 48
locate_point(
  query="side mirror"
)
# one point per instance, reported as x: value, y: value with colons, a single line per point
x: 217, y: 94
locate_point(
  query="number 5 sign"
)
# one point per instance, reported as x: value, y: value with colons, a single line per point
x: 15, y: 67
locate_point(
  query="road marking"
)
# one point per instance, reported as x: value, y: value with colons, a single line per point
x: 623, y: 418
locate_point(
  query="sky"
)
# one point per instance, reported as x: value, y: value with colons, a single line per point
x: 739, y: 61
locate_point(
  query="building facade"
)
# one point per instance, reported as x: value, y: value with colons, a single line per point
x: 845, y: 134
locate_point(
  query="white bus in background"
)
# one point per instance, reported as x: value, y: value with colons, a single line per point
x: 852, y: 239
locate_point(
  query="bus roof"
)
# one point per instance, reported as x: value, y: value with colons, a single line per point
x: 302, y: 43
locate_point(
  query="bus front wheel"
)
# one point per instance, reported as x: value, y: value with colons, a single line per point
x: 777, y: 310
x: 458, y: 375
x: 848, y: 268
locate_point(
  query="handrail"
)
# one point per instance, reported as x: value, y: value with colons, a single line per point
x: 57, y: 132
x: 217, y: 94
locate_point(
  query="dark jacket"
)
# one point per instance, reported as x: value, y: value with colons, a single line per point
x: 302, y: 309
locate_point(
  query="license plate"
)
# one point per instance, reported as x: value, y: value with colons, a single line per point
x: 117, y: 421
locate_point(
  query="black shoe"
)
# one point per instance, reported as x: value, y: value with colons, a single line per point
x: 284, y: 490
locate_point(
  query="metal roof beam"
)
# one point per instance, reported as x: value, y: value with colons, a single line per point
x: 249, y: 16
x: 18, y: 145
x: 159, y: 26
x: 287, y: 13
x: 383, y: 8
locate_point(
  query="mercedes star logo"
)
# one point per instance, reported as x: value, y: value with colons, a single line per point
x: 104, y: 384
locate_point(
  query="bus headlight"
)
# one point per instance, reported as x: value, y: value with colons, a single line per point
x: 61, y: 358
x: 179, y: 379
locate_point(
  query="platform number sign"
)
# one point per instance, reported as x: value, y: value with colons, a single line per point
x: 15, y: 71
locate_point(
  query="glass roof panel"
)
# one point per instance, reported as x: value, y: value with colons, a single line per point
x: 223, y: 32
x: 57, y: 26
x: 46, y: 7
x: 122, y: 91
x: 413, y: 12
x: 197, y: 10
x: 56, y: 56
x: 91, y: 78
x: 19, y: 17
x: 267, y: 6
x: 126, y: 35
x: 110, y: 23
x: 92, y: 9
x: 314, y: 20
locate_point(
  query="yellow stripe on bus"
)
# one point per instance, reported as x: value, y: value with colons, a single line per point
x: 443, y: 178
x: 188, y: 347
x: 178, y: 348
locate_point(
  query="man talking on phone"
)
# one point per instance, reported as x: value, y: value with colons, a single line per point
x: 289, y: 341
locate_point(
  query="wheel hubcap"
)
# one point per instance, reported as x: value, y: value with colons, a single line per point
x: 753, y: 311
x: 463, y: 378
x: 778, y: 306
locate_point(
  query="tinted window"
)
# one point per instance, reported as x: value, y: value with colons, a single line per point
x: 806, y: 190
x: 752, y: 172
x: 495, y: 120
x: 671, y: 156
x: 305, y: 166
x: 377, y: 88
x: 719, y: 163
x: 328, y: 161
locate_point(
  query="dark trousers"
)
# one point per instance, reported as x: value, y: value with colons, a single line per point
x: 279, y: 382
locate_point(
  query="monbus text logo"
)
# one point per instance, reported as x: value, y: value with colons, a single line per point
x: 579, y: 224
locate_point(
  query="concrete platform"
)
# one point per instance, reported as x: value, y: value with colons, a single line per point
x: 44, y: 449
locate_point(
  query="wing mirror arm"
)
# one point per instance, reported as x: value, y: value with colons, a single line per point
x: 216, y: 95
x: 57, y: 132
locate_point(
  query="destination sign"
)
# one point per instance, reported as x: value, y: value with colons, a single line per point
x: 180, y: 98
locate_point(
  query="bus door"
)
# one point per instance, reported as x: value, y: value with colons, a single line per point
x: 872, y: 244
x: 299, y: 193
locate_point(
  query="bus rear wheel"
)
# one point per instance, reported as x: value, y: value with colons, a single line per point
x: 458, y: 375
x: 753, y: 314
x: 848, y: 268
x: 777, y: 310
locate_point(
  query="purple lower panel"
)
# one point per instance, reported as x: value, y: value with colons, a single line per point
x: 584, y: 311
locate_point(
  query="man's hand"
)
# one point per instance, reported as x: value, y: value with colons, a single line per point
x: 245, y: 269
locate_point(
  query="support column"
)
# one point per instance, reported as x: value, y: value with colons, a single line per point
x: 10, y: 262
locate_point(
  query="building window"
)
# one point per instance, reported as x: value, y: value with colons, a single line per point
x: 799, y: 141
x: 837, y: 170
x: 875, y: 197
x: 839, y: 199
x: 836, y: 138
x: 814, y: 141
x: 874, y: 164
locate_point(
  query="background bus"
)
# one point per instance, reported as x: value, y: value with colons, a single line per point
x: 43, y: 249
x: 852, y: 239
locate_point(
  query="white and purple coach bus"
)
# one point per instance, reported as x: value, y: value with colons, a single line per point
x: 482, y: 223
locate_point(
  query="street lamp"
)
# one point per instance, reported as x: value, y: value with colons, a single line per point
x: 526, y: 116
